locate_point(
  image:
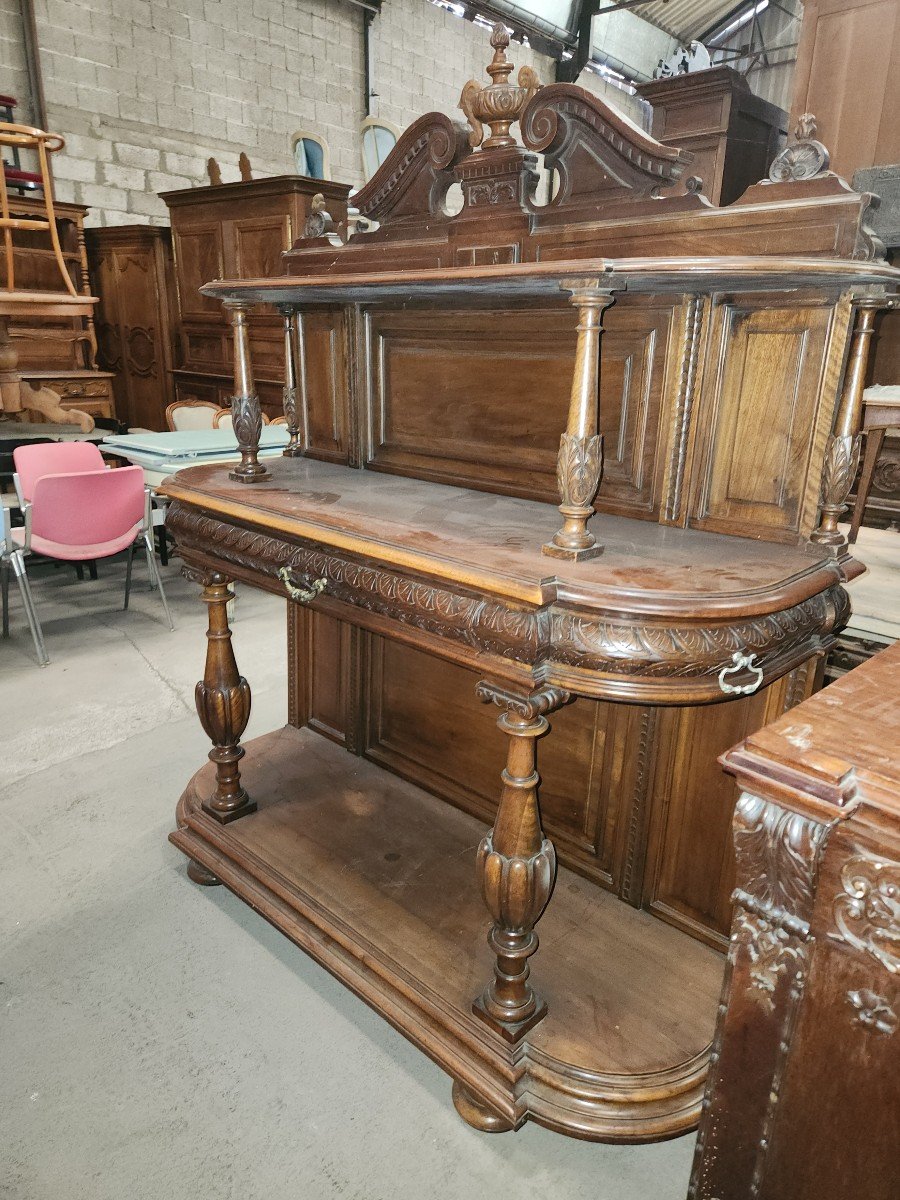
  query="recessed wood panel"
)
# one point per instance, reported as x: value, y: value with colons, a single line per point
x: 323, y: 377
x: 759, y: 417
x: 465, y: 398
x: 258, y: 243
x: 426, y: 724
x: 199, y: 255
x: 691, y: 874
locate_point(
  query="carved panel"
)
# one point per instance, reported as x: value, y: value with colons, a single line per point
x: 760, y: 403
x: 434, y: 415
x: 258, y: 243
x: 426, y: 723
x: 200, y: 255
x: 323, y: 380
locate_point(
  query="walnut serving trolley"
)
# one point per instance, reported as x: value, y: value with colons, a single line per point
x: 439, y: 528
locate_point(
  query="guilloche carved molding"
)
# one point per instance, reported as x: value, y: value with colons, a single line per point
x: 570, y: 638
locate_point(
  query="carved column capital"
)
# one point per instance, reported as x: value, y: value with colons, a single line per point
x: 246, y: 415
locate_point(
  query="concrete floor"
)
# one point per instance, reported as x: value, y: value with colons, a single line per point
x: 159, y: 1040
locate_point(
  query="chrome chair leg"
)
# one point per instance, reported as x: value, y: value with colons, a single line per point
x: 18, y: 566
x: 128, y: 566
x: 4, y: 594
x: 155, y: 577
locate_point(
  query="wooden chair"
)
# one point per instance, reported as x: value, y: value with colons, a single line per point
x: 24, y: 137
x: 191, y: 414
x: 881, y: 413
x: 222, y: 419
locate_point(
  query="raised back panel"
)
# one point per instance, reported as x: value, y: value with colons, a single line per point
x: 479, y: 399
x: 426, y: 724
x: 323, y: 378
x: 758, y: 419
x: 691, y: 870
x: 258, y: 245
x: 200, y: 258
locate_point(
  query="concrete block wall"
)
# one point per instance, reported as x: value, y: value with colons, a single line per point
x: 145, y: 91
x: 14, y: 77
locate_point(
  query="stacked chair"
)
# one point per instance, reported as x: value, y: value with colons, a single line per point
x: 76, y: 510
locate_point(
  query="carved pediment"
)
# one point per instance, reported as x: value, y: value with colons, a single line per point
x: 599, y: 154
x: 414, y: 178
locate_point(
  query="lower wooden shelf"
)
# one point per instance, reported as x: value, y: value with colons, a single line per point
x: 375, y: 879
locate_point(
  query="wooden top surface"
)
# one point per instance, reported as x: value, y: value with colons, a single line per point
x: 492, y: 543
x: 264, y: 186
x: 840, y: 746
x: 535, y: 279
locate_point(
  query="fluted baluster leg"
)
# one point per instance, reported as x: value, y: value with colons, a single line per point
x: 223, y: 704
x: 579, y: 466
x: 516, y: 865
x: 246, y: 414
x: 842, y: 450
x: 293, y: 401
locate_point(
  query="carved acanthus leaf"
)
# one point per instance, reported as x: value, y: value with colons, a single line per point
x: 579, y: 468
x: 246, y: 419
x: 527, y: 635
x: 867, y: 911
x: 839, y: 470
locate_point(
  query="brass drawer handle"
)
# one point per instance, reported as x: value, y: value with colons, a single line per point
x: 302, y: 595
x: 738, y: 663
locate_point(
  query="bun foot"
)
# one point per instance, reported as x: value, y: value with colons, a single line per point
x: 477, y: 1114
x: 199, y: 874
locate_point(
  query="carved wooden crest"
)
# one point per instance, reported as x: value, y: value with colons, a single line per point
x: 803, y: 158
x: 414, y: 178
x: 597, y: 151
x: 501, y: 103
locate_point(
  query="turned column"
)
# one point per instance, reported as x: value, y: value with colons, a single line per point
x: 294, y: 411
x: 223, y: 704
x: 246, y: 415
x: 516, y: 864
x: 842, y: 450
x: 579, y: 466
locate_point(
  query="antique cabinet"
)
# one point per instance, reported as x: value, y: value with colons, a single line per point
x: 803, y: 1099
x: 238, y: 231
x: 692, y: 406
x: 131, y: 270
x: 58, y: 352
x: 732, y: 134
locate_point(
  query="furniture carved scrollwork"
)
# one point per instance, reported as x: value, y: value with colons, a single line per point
x: 814, y: 962
x: 803, y: 157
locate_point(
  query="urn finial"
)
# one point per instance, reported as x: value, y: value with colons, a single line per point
x: 501, y: 103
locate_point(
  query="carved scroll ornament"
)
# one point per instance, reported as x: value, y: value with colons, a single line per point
x: 803, y: 157
x: 583, y: 138
x: 551, y: 635
x: 414, y: 178
x: 867, y: 911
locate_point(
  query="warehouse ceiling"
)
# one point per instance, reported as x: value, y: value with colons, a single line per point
x: 687, y: 20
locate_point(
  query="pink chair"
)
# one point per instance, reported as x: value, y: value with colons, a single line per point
x: 12, y: 558
x: 52, y: 458
x: 84, y: 515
